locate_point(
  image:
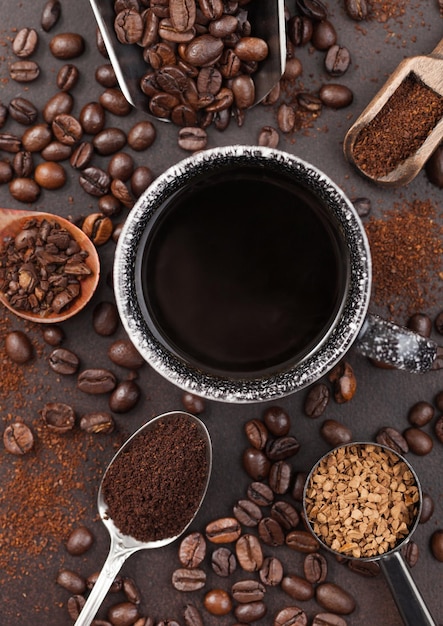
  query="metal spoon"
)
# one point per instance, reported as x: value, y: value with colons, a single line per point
x: 268, y: 23
x: 405, y: 592
x: 429, y: 70
x: 122, y: 546
x: 11, y: 223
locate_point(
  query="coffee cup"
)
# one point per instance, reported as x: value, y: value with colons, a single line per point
x: 243, y: 274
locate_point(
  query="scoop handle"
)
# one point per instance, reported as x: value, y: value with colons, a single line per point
x: 407, y: 596
x: 111, y: 567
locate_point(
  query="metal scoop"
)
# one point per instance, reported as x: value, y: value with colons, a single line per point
x: 122, y: 546
x: 407, y: 597
x: 428, y: 70
x: 268, y: 23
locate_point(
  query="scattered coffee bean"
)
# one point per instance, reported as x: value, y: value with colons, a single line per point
x: 223, y: 530
x: 105, y: 319
x: 315, y: 568
x: 124, y: 397
x: 291, y: 616
x: 282, y: 448
x: 142, y: 135
x: 427, y: 509
x: 98, y: 228
x: 334, y: 598
x: 24, y: 190
x: 250, y: 612
x: 269, y: 137
x: 343, y: 379
x: 192, y: 403
x: 191, y: 616
x: 244, y: 591
x: 67, y: 45
x: 392, y: 438
x: 421, y: 324
x: 61, y: 102
x: 419, y: 441
x: 270, y: 532
x: 50, y: 14
x: 95, y: 181
x: 23, y: 111
x: 184, y: 579
x: 98, y: 422
x: 79, y: 541
x: 368, y: 569
x: 67, y: 77
x: 328, y: 619
x: 279, y: 477
x: 297, y: 587
x: 114, y: 101
x: 271, y: 572
x: 58, y: 416
x: 131, y: 590
x: 71, y: 581
x: 50, y: 175
x: 92, y: 118
x: 74, y: 605
x: 25, y: 42
x: 356, y: 9
x: 411, y: 553
x: 217, y: 602
x: 18, y: 346
x: 335, y: 433
x: 18, y: 438
x: 337, y: 60
x: 192, y: 550
x: 24, y: 71
x: 256, y: 433
x: 256, y: 464
x: 63, y: 361
x: 302, y: 541
x: 437, y: 544
x: 335, y: 96
x: 421, y: 413
x: 247, y: 513
x: 192, y: 139
x: 141, y: 178
x: 105, y: 75
x: 123, y: 614
x: 53, y: 334
x: 67, y: 129
x: 260, y: 493
x: 277, y: 421
x: 223, y: 562
x: 298, y: 486
x: 249, y: 553
x: 96, y: 381
x: 316, y: 400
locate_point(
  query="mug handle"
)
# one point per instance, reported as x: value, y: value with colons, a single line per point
x: 400, y: 347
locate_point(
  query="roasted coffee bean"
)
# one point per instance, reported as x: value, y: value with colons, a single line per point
x: 121, y: 165
x: 335, y: 433
x: 50, y: 175
x: 141, y: 136
x: 131, y: 590
x: 286, y: 118
x: 337, y: 60
x: 343, y: 379
x: 256, y: 464
x: 421, y: 413
x: 9, y: 142
x: 421, y: 324
x: 58, y: 416
x: 309, y: 102
x: 438, y: 323
x: 277, y: 421
x: 92, y: 118
x: 291, y: 616
x: 79, y: 541
x: 24, y: 71
x: 50, y: 14
x: 141, y: 178
x: 24, y: 189
x: 115, y: 587
x: 437, y: 544
x: 192, y: 403
x: 244, y: 591
x: 67, y: 77
x: 95, y: 181
x: 249, y: 553
x: 297, y: 587
x: 120, y: 190
x: 390, y: 437
x: 223, y: 562
x: 82, y: 155
x: 217, y: 602
x: 18, y: 347
x: 59, y: 103
x: 192, y: 616
x: 184, y: 579
x: 192, y: 550
x: 268, y: 137
x: 105, y: 75
x: 285, y: 514
x: 324, y: 35
x: 256, y: 433
x: 56, y: 151
x: 250, y: 612
x: 98, y: 228
x: 128, y: 25
x: 96, y: 381
x: 6, y: 172
x: 25, y: 42
x: 247, y: 513
x: 314, y: 9
x: 63, y: 361
x: 122, y: 352
x: 411, y: 553
x: 279, y: 477
x: 223, y: 530
x: 293, y: 69
x: 334, y: 598
x: 315, y: 568
x: 71, y: 581
x: 67, y: 45
x: 109, y: 206
x: 328, y: 619
x: 53, y: 335
x: 363, y: 206
x: 192, y: 138
x: 22, y: 111
x: 124, y: 397
x: 271, y: 572
x: 302, y: 541
x: 418, y: 440
x: 316, y: 400
x: 270, y: 532
x: 368, y: 569
x: 105, y: 319
x: 67, y: 129
x: 438, y: 429
x: 260, y: 493
x: 298, y: 486
x: 356, y: 9
x: 3, y: 114
x: 282, y: 448
x: 335, y: 96
x: 300, y: 29
x: 427, y: 509
x: 23, y: 164
x: 123, y: 614
x: 114, y: 101
x: 109, y: 140
x: 98, y: 422
x: 18, y: 438
x: 74, y: 605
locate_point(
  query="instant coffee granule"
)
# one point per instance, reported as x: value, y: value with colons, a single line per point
x: 154, y: 487
x: 361, y: 500
x: 399, y: 128
x: 406, y: 248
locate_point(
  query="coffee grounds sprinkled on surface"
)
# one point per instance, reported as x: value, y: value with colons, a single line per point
x: 154, y: 487
x: 399, y: 128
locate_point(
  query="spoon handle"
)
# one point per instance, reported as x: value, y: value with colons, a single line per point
x: 114, y: 561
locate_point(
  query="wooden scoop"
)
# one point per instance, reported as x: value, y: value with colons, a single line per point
x: 11, y: 223
x: 427, y: 70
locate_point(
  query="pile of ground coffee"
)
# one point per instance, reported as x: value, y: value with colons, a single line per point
x: 154, y: 487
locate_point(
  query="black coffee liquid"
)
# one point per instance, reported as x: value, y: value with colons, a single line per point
x: 242, y: 272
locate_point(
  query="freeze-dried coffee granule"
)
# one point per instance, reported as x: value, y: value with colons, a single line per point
x: 399, y: 128
x: 406, y: 248
x: 154, y: 487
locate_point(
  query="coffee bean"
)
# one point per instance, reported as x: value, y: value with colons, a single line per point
x: 223, y: 562
x: 291, y: 616
x: 53, y: 334
x: 297, y: 587
x: 114, y: 101
x: 141, y: 178
x: 334, y: 598
x: 121, y: 166
x: 23, y: 164
x: 58, y: 416
x: 24, y: 189
x: 67, y: 129
x: 368, y: 569
x: 438, y: 429
x: 256, y: 464
x: 192, y: 138
x: 192, y: 550
x: 67, y: 77
x: 314, y: 9
x: 293, y: 69
x: 24, y: 71
x: 74, y: 605
x: 316, y: 400
x: 18, y: 346
x: 92, y: 118
x: 123, y: 614
x: 96, y: 381
x: 10, y: 142
x: 109, y: 206
x: 335, y: 433
x: 105, y: 319
x: 328, y: 619
x: 128, y: 26
x: 250, y: 612
x: 131, y: 590
x: 427, y: 509
x: 335, y: 96
x: 109, y: 141
x: 18, y: 438
x: 191, y: 615
x: 79, y: 541
x: 122, y: 352
x: 277, y: 421
x: 247, y: 513
x: 421, y: 324
x: 436, y: 544
x: 105, y: 75
x: 223, y: 530
x: 260, y: 493
x: 285, y: 514
x: 95, y: 181
x: 315, y: 568
x: 299, y: 29
x: 282, y: 448
x: 141, y: 136
x: 56, y: 151
x: 63, y: 361
x: 438, y: 323
x: 217, y: 602
x: 298, y: 486
x: 421, y: 413
x: 98, y: 422
x: 419, y: 442
x: 324, y: 35
x: 50, y: 175
x: 244, y: 591
x: 343, y: 380
x: 411, y: 553
x: 286, y: 118
x: 124, y: 397
x: 82, y: 155
x: 392, y: 438
x: 268, y: 137
x: 98, y: 228
x: 257, y: 433
x: 59, y: 103
x: 270, y: 532
x: 188, y: 579
x: 356, y: 9
x: 363, y: 206
x: 116, y: 585
x: 302, y: 541
x: 25, y: 42
x: 71, y: 581
x: 279, y: 477
x: 50, y: 14
x: 271, y: 572
x: 249, y: 553
x: 22, y: 111
x: 337, y: 60
x: 192, y: 403
x: 6, y: 172
x: 67, y: 45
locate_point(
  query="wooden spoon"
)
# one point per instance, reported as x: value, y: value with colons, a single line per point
x: 11, y: 223
x: 429, y: 71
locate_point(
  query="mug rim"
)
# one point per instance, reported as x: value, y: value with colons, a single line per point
x: 264, y: 387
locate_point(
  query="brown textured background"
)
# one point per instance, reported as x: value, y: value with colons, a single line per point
x: 29, y: 593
